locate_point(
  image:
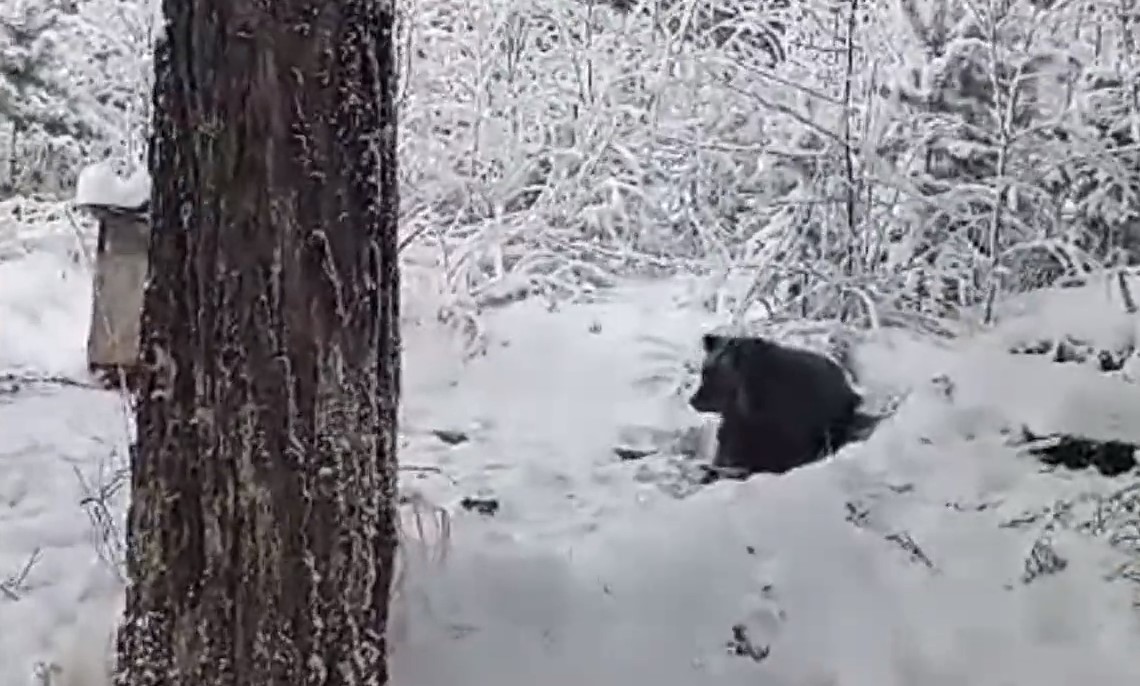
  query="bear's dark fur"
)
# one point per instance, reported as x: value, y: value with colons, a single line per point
x: 781, y: 407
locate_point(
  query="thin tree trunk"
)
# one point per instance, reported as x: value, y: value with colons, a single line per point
x: 261, y: 531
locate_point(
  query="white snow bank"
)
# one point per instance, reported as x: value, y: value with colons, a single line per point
x: 100, y: 185
x: 936, y: 553
x: 814, y: 566
x: 1048, y: 397
x: 45, y: 308
x: 1094, y: 314
x: 58, y: 446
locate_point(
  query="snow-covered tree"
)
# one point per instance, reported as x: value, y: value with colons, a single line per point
x: 30, y: 76
x: 72, y: 79
x: 997, y: 138
x: 926, y: 155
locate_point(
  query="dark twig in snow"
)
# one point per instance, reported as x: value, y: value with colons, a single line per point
x: 13, y: 586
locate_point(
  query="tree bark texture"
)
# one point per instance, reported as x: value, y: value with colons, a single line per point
x: 261, y: 532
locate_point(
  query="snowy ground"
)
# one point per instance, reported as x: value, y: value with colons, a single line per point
x: 936, y: 553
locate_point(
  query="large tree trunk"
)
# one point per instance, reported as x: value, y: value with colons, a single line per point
x: 261, y: 532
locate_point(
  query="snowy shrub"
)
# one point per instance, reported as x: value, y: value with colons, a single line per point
x: 997, y: 131
x: 73, y: 76
x: 893, y: 161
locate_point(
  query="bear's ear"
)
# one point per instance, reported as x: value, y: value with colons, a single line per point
x: 712, y: 341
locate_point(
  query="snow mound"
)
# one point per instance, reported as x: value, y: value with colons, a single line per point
x: 774, y: 581
x: 99, y: 185
x: 45, y: 289
x: 938, y: 552
x: 1096, y: 314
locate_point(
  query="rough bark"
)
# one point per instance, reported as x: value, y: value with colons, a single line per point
x: 261, y: 531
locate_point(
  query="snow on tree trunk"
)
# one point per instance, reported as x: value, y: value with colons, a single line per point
x: 261, y: 531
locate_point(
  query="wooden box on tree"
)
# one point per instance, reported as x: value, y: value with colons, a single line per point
x: 121, y: 266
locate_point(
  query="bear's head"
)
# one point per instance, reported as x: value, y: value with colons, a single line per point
x: 722, y: 389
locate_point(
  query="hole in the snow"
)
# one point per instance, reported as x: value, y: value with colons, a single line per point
x: 1110, y: 458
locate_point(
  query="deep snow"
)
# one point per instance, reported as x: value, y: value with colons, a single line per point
x: 935, y: 553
